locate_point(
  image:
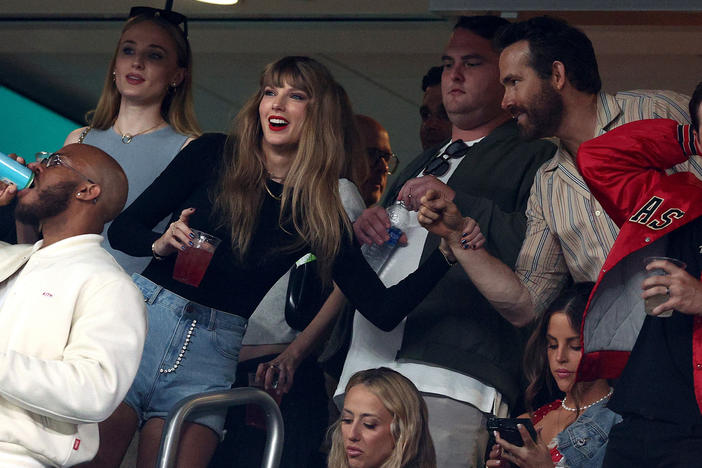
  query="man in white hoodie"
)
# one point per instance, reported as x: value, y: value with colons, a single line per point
x: 73, y: 323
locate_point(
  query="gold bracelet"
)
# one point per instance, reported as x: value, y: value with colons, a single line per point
x: 153, y: 252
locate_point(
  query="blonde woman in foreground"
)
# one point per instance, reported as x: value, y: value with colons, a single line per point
x: 383, y: 424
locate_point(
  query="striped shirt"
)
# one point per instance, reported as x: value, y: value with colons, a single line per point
x: 568, y: 233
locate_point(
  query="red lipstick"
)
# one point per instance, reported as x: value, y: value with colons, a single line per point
x: 277, y: 123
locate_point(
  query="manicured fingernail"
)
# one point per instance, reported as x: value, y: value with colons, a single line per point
x: 191, y: 244
x: 473, y: 247
x: 464, y: 234
x: 464, y: 241
x: 191, y: 235
x: 182, y: 247
x: 465, y: 246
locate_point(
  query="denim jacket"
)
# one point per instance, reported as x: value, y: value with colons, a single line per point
x: 584, y: 442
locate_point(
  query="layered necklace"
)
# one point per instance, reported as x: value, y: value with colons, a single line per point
x: 278, y: 180
x: 568, y: 408
x: 275, y: 197
x: 128, y: 137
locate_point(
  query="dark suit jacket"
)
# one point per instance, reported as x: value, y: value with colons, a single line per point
x: 455, y: 327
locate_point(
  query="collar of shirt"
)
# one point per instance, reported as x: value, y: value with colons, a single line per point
x: 453, y: 162
x: 608, y: 110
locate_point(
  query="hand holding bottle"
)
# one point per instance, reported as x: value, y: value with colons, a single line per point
x: 376, y: 255
x: 12, y: 172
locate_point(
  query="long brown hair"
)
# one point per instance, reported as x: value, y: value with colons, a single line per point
x: 571, y: 302
x: 177, y: 106
x: 310, y: 199
x: 410, y: 421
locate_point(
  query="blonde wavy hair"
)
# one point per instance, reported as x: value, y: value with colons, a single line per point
x: 310, y: 200
x: 177, y: 107
x: 410, y: 424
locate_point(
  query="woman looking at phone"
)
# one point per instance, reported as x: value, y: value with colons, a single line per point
x: 383, y: 423
x: 145, y: 115
x: 573, y: 431
x: 270, y: 192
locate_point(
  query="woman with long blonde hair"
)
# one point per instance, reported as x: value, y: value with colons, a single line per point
x: 383, y: 424
x: 270, y: 192
x: 145, y: 114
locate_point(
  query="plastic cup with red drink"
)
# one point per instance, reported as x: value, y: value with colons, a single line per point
x: 191, y: 264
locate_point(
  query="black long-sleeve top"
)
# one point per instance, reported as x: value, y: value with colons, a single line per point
x: 236, y: 286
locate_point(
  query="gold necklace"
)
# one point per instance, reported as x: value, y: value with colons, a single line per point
x: 279, y: 197
x: 127, y: 138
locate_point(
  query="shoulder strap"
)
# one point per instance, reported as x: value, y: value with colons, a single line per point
x: 83, y: 134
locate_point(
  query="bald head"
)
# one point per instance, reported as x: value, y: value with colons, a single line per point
x: 376, y: 141
x: 102, y: 169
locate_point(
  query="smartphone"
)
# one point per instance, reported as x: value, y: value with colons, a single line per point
x: 507, y: 427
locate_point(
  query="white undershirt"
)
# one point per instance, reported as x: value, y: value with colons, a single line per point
x: 371, y: 347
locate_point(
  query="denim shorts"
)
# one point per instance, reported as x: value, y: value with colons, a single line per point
x: 189, y: 349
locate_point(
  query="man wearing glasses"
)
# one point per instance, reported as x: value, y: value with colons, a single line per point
x: 462, y: 355
x: 381, y: 160
x: 73, y: 321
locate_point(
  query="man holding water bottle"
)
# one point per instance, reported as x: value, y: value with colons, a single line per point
x: 73, y: 323
x: 458, y: 351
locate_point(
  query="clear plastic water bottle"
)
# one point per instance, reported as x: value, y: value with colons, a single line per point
x: 13, y: 172
x: 376, y: 255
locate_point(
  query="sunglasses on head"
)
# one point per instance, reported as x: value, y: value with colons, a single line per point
x: 173, y: 17
x: 440, y: 165
x: 390, y: 160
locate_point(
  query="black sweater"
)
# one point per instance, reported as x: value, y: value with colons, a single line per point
x: 237, y: 287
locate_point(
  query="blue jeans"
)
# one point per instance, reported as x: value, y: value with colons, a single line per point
x: 189, y: 349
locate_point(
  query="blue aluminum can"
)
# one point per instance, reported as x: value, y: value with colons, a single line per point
x: 13, y: 172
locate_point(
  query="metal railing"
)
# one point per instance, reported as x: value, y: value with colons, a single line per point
x: 225, y: 398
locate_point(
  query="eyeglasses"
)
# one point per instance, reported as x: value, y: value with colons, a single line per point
x: 57, y: 159
x: 388, y: 159
x: 440, y: 165
x: 173, y: 17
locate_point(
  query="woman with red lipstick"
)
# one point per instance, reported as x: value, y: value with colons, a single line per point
x: 145, y: 113
x: 270, y: 192
x: 577, y: 426
x: 383, y: 424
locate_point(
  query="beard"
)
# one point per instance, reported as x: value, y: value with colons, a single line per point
x: 544, y: 114
x: 50, y: 202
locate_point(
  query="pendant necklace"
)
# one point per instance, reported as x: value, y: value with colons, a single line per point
x: 127, y: 138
